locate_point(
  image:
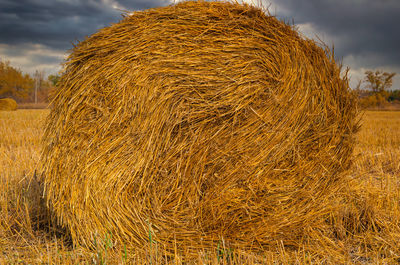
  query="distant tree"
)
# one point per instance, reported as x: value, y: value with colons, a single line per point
x: 39, y: 80
x: 13, y: 83
x: 379, y: 81
x: 43, y: 87
x: 394, y: 95
x: 54, y: 79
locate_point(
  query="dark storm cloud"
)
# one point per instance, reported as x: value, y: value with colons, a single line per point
x: 357, y: 27
x: 37, y: 33
x: 58, y: 23
x: 142, y: 4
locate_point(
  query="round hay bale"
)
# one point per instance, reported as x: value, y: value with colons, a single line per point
x: 194, y: 123
x: 8, y: 104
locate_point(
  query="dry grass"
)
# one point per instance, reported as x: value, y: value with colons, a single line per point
x: 365, y: 228
x: 39, y: 105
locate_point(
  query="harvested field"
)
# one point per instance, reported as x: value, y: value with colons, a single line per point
x: 365, y: 228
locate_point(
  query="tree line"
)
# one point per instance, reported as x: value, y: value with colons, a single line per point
x: 23, y: 87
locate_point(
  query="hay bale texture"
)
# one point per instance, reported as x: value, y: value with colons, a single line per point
x: 197, y: 122
x: 8, y: 104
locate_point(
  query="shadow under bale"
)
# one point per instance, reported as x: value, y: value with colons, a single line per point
x: 195, y: 123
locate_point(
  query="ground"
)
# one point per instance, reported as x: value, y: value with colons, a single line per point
x: 364, y: 229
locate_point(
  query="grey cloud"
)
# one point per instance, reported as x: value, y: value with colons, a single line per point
x: 363, y: 29
x: 32, y: 57
x: 358, y: 27
x: 142, y: 4
x: 57, y: 23
x: 44, y: 59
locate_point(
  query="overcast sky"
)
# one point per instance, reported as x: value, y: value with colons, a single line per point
x: 36, y: 34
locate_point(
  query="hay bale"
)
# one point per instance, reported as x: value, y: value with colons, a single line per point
x: 8, y: 104
x: 196, y: 122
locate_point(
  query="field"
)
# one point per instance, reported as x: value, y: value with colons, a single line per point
x: 365, y: 228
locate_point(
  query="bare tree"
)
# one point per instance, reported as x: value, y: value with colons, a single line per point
x: 379, y: 81
x: 39, y: 76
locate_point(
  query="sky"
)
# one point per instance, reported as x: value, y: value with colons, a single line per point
x: 38, y: 34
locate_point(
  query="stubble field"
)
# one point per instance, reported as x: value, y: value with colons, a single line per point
x: 364, y: 229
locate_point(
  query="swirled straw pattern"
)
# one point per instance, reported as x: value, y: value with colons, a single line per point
x: 197, y: 122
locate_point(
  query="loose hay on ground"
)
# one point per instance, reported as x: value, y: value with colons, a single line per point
x: 196, y: 123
